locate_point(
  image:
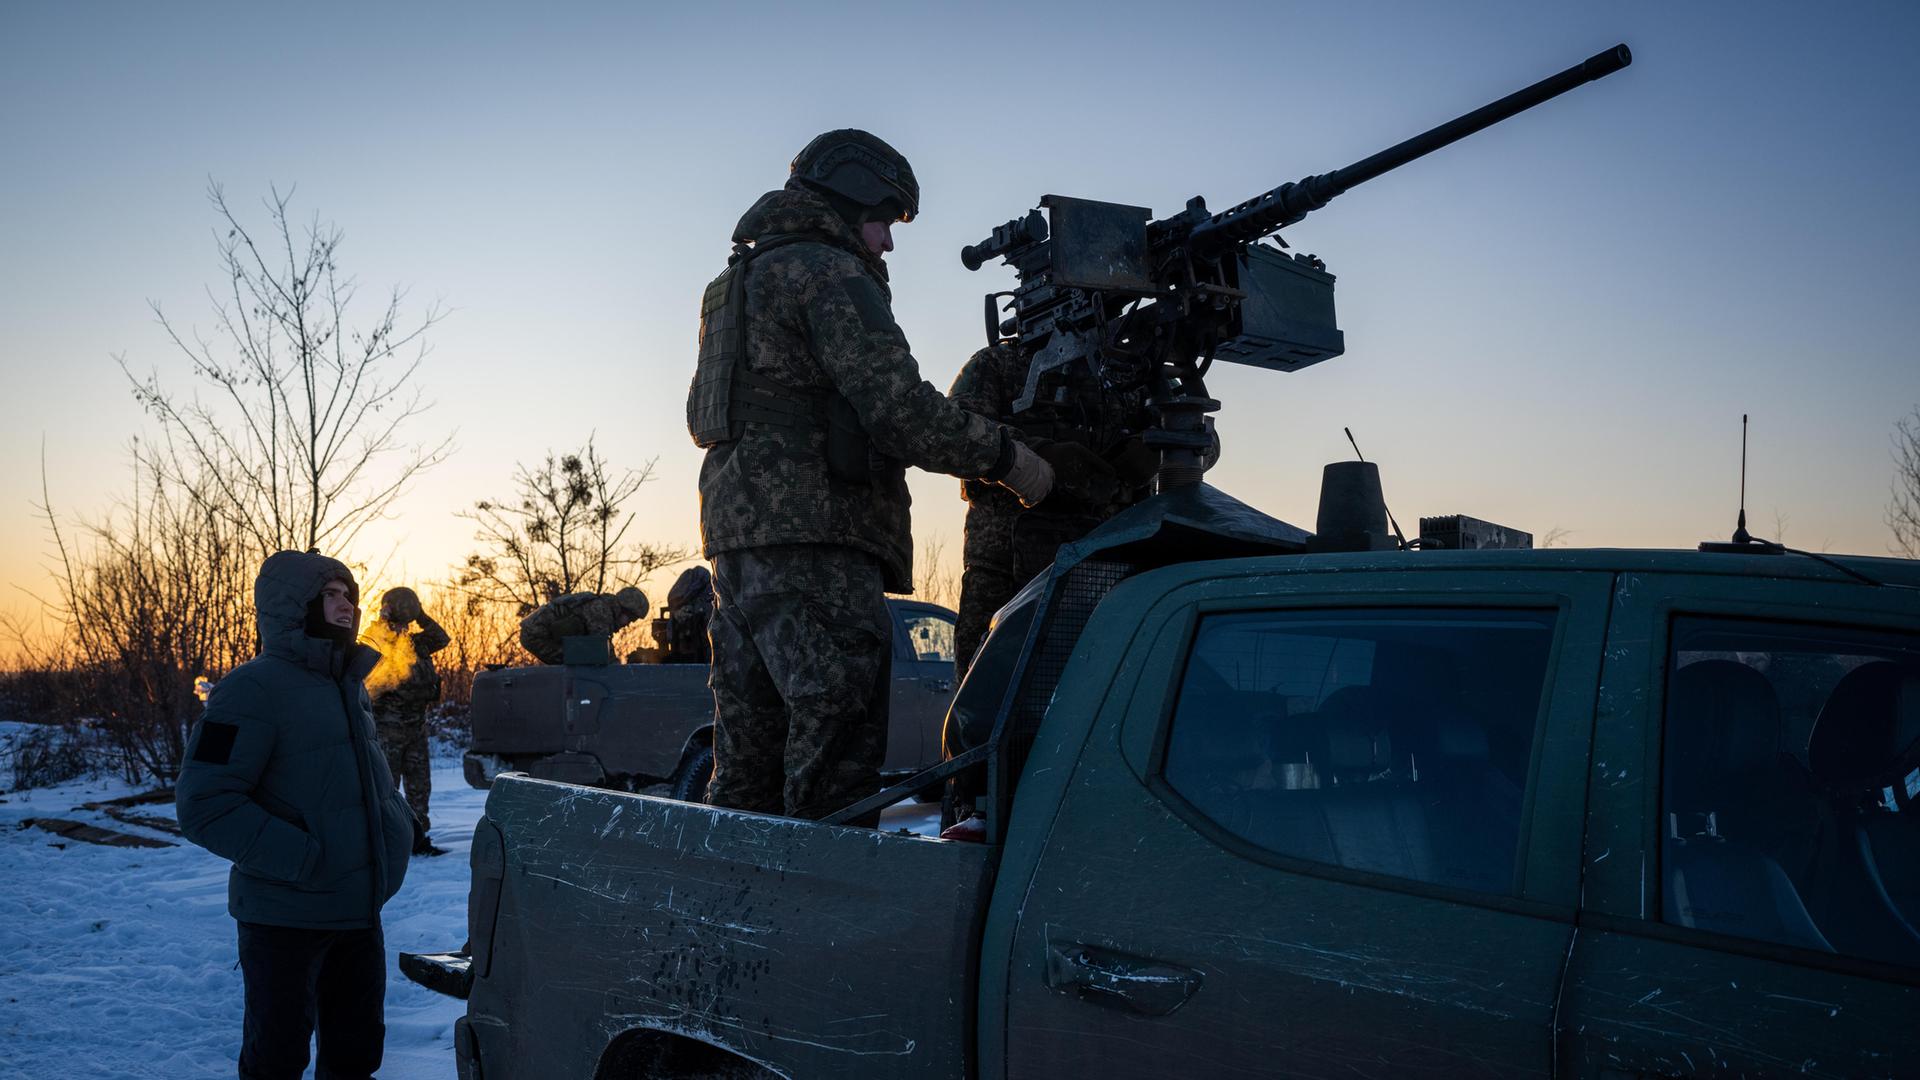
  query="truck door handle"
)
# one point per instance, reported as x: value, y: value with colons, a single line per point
x: 1104, y: 977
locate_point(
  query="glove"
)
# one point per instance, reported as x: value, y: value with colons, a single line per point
x: 1080, y: 474
x: 1030, y: 479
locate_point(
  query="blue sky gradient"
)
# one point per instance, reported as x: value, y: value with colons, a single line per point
x: 1555, y: 324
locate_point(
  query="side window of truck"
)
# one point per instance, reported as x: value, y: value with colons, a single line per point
x: 1394, y: 741
x: 931, y: 635
x: 1790, y: 800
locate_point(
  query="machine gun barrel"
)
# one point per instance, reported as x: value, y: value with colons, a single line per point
x: 1288, y: 203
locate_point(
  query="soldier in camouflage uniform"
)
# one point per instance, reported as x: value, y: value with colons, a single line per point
x: 403, y: 686
x: 810, y: 406
x: 544, y: 631
x: 689, y: 610
x: 1006, y: 544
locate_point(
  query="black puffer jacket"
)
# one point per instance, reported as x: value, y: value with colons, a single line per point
x: 283, y: 774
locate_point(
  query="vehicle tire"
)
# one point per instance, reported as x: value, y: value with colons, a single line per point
x: 690, y: 783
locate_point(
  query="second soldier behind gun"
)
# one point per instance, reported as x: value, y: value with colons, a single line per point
x: 810, y: 406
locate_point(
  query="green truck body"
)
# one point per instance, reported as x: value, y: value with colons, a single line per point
x: 1431, y: 813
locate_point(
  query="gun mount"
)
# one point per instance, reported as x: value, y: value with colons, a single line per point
x: 1155, y: 303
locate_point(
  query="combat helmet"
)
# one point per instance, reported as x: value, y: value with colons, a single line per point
x: 399, y: 601
x: 860, y: 168
x: 633, y: 601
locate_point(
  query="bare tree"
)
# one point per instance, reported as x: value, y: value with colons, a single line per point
x: 1555, y: 537
x: 564, y: 530
x: 935, y: 581
x: 1903, y: 510
x: 301, y: 445
x: 298, y: 444
x: 148, y: 598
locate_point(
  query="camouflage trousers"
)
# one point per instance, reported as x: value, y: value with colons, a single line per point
x: 802, y: 654
x: 403, y: 739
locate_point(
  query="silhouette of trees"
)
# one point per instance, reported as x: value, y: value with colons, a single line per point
x: 1903, y: 510
x: 300, y: 442
x: 563, y: 530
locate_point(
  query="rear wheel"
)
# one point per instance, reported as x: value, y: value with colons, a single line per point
x: 690, y: 783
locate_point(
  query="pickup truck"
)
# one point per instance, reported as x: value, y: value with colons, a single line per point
x: 1254, y: 810
x: 637, y: 726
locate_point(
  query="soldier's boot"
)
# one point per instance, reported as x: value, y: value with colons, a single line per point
x: 422, y: 845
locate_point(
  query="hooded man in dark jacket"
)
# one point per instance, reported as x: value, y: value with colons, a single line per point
x: 283, y: 775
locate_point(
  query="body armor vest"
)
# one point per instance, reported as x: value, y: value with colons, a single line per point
x: 725, y: 396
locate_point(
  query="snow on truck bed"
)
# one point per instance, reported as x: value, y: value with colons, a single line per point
x: 121, y: 962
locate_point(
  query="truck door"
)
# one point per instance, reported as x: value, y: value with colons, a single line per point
x: 922, y: 684
x: 1331, y: 830
x: 1753, y: 859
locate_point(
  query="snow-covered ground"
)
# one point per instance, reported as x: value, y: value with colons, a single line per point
x: 121, y: 962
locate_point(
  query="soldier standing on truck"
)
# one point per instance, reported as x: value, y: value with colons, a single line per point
x: 543, y: 632
x: 403, y: 687
x: 810, y: 406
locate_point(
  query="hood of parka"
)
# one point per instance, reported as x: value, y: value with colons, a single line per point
x: 794, y: 209
x: 289, y: 581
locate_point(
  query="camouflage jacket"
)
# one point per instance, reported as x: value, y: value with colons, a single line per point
x: 820, y: 319
x: 573, y: 615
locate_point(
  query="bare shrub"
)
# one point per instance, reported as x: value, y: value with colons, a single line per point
x: 294, y: 441
x: 147, y: 598
x: 46, y: 754
x: 563, y: 530
x: 483, y: 633
x: 935, y: 580
x: 1903, y: 510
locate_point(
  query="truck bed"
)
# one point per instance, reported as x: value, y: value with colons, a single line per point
x: 680, y: 922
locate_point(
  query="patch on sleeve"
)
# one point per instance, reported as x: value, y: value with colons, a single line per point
x: 874, y: 311
x: 216, y: 742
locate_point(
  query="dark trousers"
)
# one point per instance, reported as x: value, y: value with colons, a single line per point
x: 299, y: 980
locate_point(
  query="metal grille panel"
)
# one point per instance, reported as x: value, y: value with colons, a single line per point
x: 1085, y: 586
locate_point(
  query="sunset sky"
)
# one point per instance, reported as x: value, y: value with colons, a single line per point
x: 1555, y: 324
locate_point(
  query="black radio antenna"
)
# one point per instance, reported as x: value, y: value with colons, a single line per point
x: 1744, y: 541
x: 1740, y: 534
x: 1397, y: 534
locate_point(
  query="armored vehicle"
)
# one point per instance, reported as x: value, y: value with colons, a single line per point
x: 636, y: 726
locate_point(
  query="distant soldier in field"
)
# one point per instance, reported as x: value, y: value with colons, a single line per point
x: 689, y: 610
x: 403, y: 687
x: 544, y: 631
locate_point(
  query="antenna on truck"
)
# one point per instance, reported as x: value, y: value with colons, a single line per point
x: 1398, y: 535
x: 1743, y: 542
